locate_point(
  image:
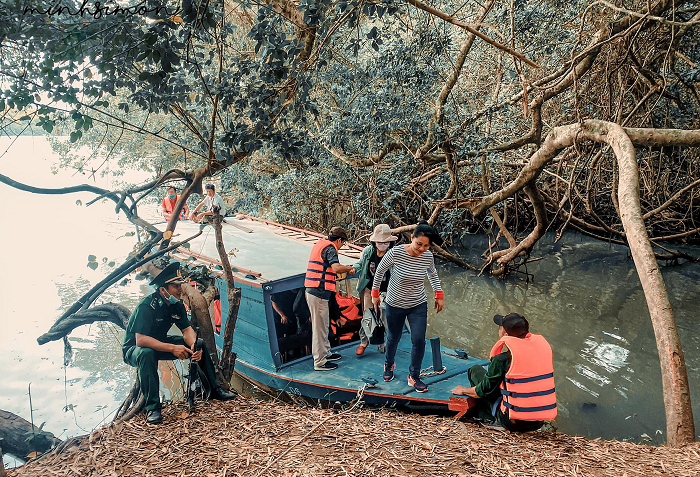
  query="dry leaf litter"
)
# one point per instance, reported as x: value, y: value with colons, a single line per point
x: 256, y: 438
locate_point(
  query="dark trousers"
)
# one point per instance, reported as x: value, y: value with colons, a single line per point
x: 417, y: 317
x: 146, y: 362
x: 476, y: 375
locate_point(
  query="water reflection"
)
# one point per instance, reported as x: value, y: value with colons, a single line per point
x: 587, y: 301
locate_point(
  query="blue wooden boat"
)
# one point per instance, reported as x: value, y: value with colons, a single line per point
x: 270, y: 259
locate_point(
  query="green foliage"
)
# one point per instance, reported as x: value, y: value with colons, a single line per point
x: 296, y: 109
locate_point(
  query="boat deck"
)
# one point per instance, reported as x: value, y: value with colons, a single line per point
x: 267, y: 250
x: 299, y: 377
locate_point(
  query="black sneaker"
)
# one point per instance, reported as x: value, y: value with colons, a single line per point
x: 417, y: 384
x: 333, y: 357
x: 327, y: 366
x: 388, y: 373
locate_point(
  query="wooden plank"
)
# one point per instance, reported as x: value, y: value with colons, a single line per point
x: 215, y: 261
x: 252, y: 346
x: 307, y: 232
x: 252, y: 330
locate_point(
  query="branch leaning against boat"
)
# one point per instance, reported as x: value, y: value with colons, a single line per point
x: 80, y: 313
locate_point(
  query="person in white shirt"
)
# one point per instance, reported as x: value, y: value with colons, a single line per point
x: 210, y: 202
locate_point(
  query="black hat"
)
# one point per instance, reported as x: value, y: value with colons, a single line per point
x: 514, y: 324
x: 169, y: 275
x: 339, y: 232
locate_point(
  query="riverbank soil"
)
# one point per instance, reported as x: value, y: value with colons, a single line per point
x: 255, y: 438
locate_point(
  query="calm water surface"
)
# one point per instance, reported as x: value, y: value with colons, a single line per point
x: 587, y: 301
x: 585, y: 298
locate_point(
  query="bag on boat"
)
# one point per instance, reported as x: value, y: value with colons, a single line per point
x: 348, y: 307
x: 375, y: 329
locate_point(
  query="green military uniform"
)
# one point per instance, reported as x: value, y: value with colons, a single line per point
x: 153, y: 317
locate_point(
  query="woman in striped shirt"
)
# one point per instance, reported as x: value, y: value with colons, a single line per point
x: 406, y: 298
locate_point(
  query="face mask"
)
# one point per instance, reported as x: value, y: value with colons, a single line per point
x: 172, y: 300
x: 172, y: 196
x: 382, y: 246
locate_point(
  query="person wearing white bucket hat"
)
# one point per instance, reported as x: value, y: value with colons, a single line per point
x: 380, y: 241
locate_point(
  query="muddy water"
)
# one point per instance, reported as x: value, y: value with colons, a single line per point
x: 585, y: 298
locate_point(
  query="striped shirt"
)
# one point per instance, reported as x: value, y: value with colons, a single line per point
x: 407, y: 280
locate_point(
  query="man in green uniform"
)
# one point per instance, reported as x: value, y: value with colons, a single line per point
x: 147, y: 340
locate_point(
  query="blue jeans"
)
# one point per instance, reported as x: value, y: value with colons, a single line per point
x: 418, y: 321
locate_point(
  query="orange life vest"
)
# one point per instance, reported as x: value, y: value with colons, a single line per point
x: 319, y: 274
x: 169, y: 206
x: 349, y: 321
x: 217, y: 315
x: 528, y: 389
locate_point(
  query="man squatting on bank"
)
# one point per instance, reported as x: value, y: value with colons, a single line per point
x: 147, y: 340
x: 518, y: 386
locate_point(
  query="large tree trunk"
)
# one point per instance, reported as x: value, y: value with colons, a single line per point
x: 680, y: 427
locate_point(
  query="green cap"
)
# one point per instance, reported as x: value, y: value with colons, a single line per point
x: 170, y: 274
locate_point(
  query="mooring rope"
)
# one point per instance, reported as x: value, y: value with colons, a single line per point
x: 423, y: 372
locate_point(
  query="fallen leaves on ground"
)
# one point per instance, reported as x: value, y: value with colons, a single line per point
x: 247, y: 437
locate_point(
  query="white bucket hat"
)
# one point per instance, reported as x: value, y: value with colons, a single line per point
x: 382, y: 233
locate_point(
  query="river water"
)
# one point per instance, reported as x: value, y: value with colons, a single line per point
x: 585, y: 299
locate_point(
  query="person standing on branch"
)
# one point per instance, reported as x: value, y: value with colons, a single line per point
x: 147, y: 340
x: 406, y: 299
x: 380, y: 241
x: 518, y: 386
x: 210, y: 202
x: 169, y: 202
x: 320, y: 283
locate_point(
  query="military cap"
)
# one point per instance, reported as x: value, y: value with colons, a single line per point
x: 169, y: 275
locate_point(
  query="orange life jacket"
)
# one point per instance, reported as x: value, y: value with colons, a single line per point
x: 349, y: 321
x: 318, y: 274
x: 217, y: 315
x: 528, y: 389
x: 169, y: 206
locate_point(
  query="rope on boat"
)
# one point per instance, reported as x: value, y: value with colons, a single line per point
x: 359, y: 397
x: 424, y: 372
